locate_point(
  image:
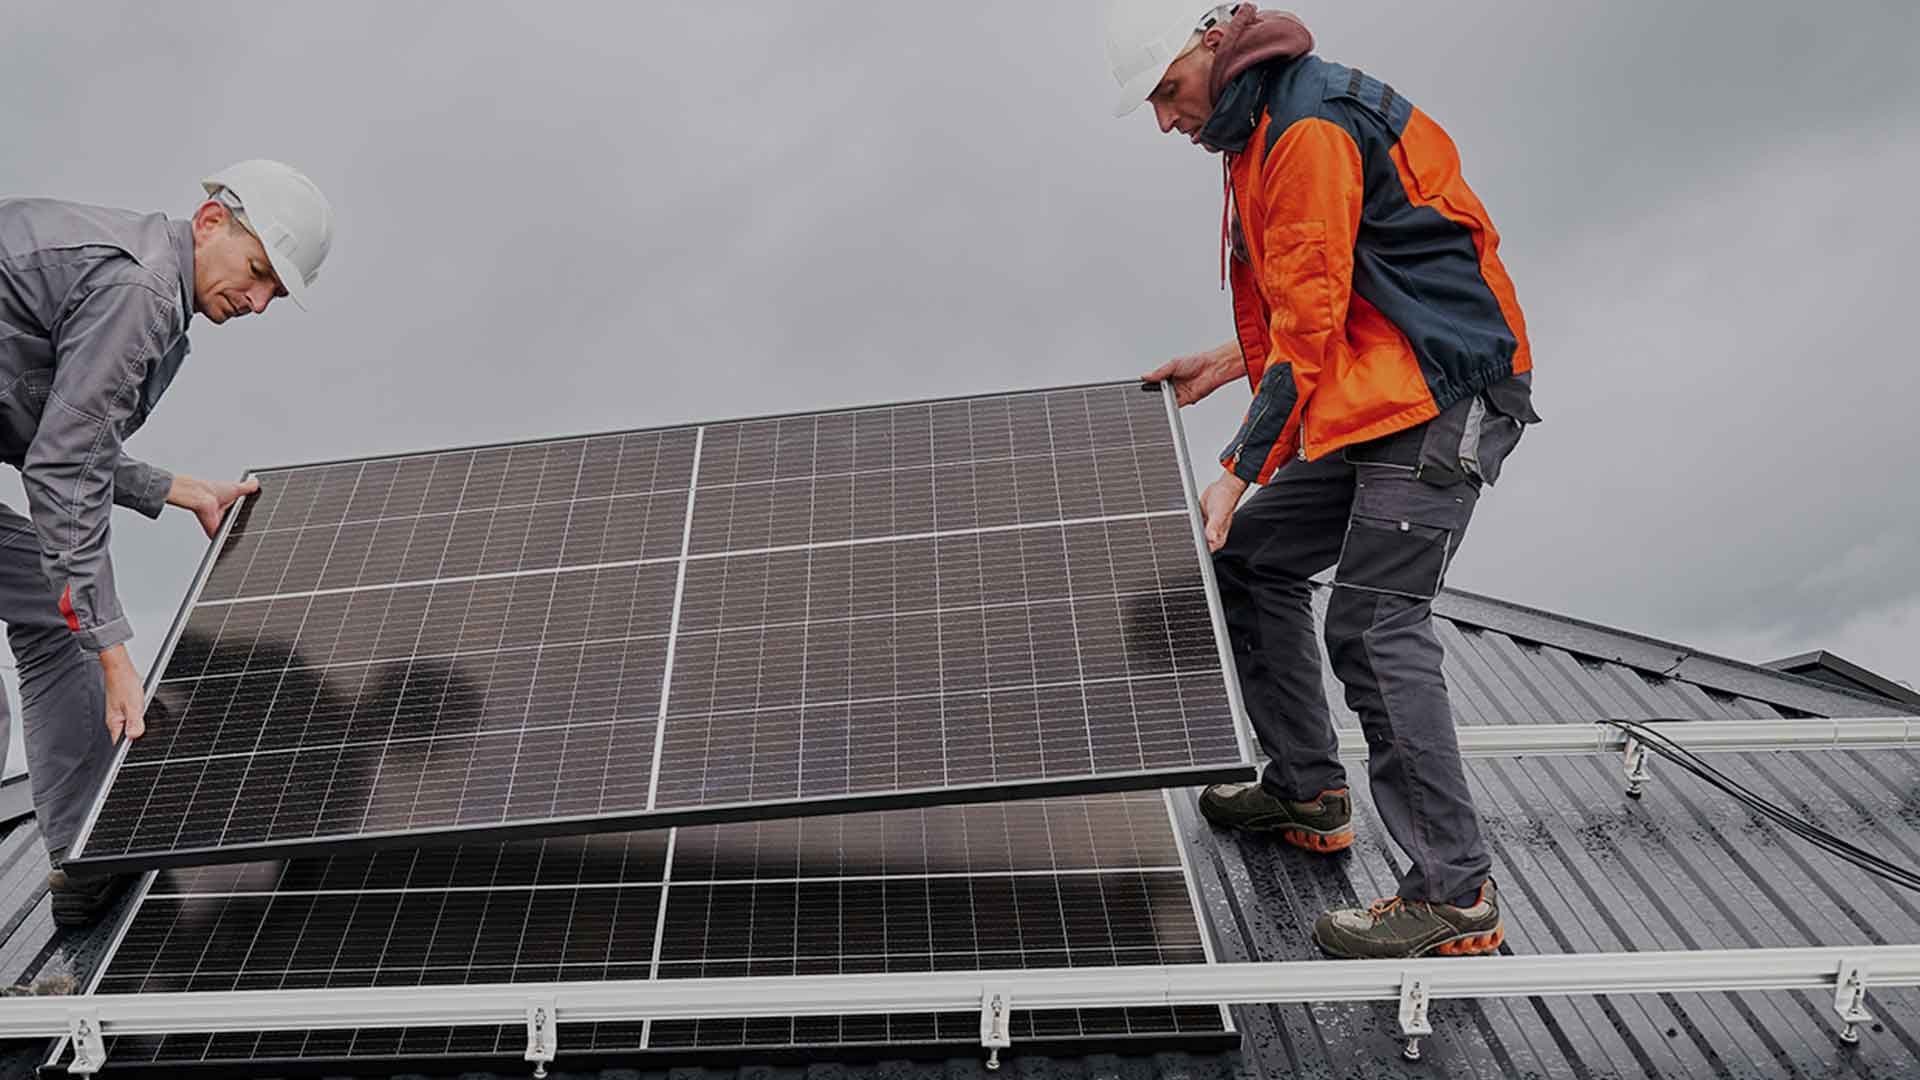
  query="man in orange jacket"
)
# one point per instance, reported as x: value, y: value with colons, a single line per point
x: 1391, y: 377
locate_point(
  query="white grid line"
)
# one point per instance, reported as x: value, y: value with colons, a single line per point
x: 807, y: 478
x: 533, y: 678
x: 673, y: 623
x: 1073, y: 617
x: 705, y: 715
x: 320, y: 814
x: 806, y: 633
x: 278, y: 686
x: 777, y: 549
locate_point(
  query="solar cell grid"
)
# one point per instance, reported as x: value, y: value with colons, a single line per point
x: 885, y: 606
x: 1051, y: 883
x: 361, y: 525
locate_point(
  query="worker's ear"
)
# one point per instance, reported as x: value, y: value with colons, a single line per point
x: 208, y: 218
x: 1212, y: 38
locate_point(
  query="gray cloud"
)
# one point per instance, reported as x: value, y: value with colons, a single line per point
x: 565, y: 218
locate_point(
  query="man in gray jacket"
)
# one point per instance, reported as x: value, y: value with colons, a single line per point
x: 94, y: 307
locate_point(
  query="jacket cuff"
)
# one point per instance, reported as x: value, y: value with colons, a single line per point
x: 151, y: 499
x: 1241, y: 466
x: 100, y: 638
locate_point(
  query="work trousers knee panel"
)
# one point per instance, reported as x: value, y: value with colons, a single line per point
x: 1380, y: 638
x: 63, y: 694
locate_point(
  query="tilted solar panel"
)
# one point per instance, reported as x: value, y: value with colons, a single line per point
x: 965, y: 599
x: 1065, y: 882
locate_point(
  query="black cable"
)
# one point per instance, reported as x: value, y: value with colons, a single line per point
x: 1658, y: 742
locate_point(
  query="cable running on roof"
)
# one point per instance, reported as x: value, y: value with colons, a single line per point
x: 1653, y: 739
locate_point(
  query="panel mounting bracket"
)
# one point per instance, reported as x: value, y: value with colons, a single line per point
x: 89, y: 1047
x: 1413, y: 1015
x: 543, y: 1035
x: 1850, y: 1000
x: 996, y: 1008
x: 1636, y: 763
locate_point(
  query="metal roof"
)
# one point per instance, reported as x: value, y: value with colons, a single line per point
x: 1823, y: 666
x: 1581, y: 868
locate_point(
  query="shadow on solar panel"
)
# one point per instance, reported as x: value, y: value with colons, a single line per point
x: 969, y: 599
x: 1055, y: 883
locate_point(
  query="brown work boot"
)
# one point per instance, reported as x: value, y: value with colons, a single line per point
x: 80, y: 899
x: 1324, y: 825
x: 1397, y: 929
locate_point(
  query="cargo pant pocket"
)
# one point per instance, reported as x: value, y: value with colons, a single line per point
x: 1398, y: 557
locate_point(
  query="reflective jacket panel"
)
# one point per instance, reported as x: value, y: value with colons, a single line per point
x: 1367, y: 286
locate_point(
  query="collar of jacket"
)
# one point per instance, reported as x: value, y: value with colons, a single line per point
x: 182, y: 234
x: 161, y: 369
x: 1237, y: 112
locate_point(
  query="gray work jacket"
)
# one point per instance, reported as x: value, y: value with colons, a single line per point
x: 94, y: 306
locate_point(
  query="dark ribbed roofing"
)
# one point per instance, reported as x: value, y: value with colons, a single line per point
x: 1582, y: 868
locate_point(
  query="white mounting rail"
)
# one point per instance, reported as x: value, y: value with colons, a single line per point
x: 1198, y: 984
x: 1700, y: 736
x: 1846, y: 972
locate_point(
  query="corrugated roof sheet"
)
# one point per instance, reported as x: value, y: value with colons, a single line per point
x: 1581, y: 867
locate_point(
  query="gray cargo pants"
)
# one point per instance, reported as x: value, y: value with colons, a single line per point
x: 1388, y: 515
x: 62, y: 691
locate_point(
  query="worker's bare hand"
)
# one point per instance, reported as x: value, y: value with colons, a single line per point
x: 126, y: 698
x: 1217, y: 504
x: 1196, y: 376
x: 208, y: 499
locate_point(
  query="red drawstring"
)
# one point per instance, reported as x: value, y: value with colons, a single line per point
x: 1226, y: 217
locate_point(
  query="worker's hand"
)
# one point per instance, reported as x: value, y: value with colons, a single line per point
x: 208, y: 499
x: 1196, y: 376
x: 1216, y: 507
x: 126, y: 698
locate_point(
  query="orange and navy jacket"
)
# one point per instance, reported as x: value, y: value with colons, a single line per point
x: 1368, y: 294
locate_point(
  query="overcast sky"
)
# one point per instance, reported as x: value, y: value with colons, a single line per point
x: 557, y: 218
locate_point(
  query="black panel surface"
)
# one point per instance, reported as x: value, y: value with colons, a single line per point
x: 895, y: 606
x: 1072, y: 882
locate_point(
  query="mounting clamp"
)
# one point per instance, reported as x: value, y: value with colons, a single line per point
x: 1413, y: 1015
x: 1637, y: 774
x: 543, y: 1035
x: 89, y: 1048
x: 1850, y: 1000
x: 996, y: 1006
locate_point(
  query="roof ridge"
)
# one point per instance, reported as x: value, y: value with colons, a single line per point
x: 1667, y: 659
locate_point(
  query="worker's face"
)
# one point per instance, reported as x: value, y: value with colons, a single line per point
x: 231, y: 274
x: 1180, y: 103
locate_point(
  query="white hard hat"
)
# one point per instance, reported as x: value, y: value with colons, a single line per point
x: 1144, y: 38
x: 287, y: 212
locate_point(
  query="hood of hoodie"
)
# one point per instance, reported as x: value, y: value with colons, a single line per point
x: 1252, y: 38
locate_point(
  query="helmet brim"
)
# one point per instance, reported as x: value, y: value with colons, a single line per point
x: 1134, y: 94
x: 289, y: 276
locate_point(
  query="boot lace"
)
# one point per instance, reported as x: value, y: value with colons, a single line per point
x: 1386, y: 906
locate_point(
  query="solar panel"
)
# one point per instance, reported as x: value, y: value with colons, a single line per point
x: 1066, y: 882
x: 974, y: 598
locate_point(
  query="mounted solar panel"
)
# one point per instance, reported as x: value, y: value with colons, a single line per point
x: 1051, y: 883
x: 969, y: 599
